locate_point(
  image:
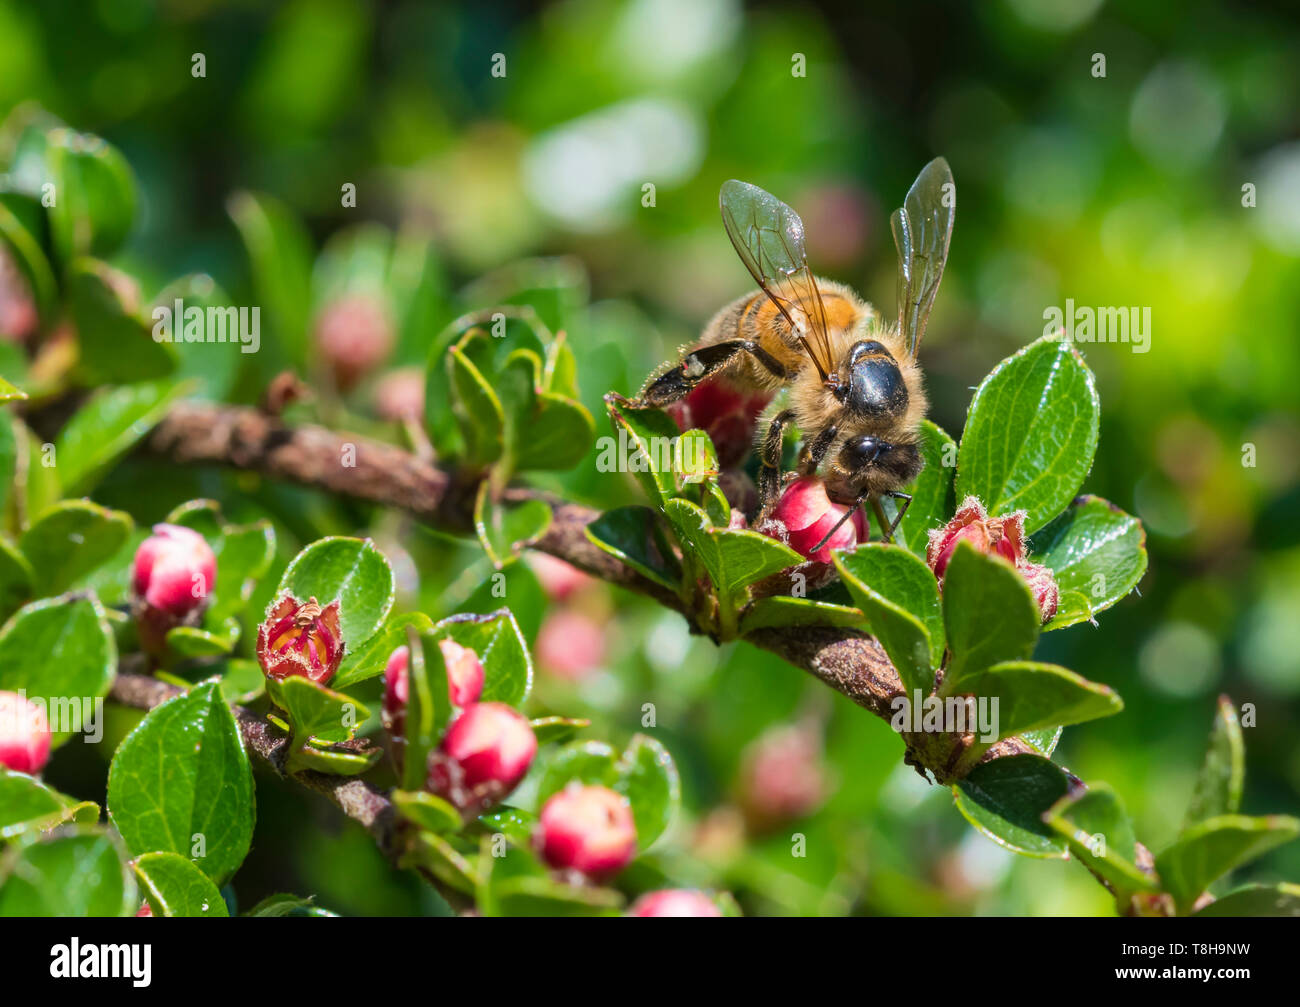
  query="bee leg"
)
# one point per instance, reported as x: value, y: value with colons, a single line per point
x: 700, y: 364
x: 769, y: 473
x: 810, y: 458
x: 901, y: 509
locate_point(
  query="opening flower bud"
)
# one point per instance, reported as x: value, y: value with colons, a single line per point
x: 483, y: 755
x: 300, y: 638
x: 805, y: 514
x: 674, y: 902
x: 24, y: 734
x: 587, y: 829
x: 174, y: 570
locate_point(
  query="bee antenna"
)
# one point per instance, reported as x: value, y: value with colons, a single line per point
x: 839, y: 524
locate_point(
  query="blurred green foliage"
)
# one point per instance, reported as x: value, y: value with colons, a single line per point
x: 1122, y: 190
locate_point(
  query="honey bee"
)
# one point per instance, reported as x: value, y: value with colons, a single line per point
x: 855, y: 387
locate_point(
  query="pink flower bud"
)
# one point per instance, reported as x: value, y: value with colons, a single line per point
x: 570, y: 644
x: 464, y: 673
x: 803, y: 516
x: 174, y: 571
x: 1042, y: 582
x: 674, y: 902
x: 782, y: 776
x: 399, y: 395
x: 998, y: 536
x: 396, y: 689
x: 18, y: 314
x: 483, y: 755
x: 300, y: 638
x: 587, y: 829
x: 725, y: 413
x: 558, y: 579
x: 24, y: 734
x: 354, y: 335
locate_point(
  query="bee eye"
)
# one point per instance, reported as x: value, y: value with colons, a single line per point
x: 860, y: 452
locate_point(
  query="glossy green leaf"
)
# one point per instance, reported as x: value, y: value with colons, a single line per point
x: 20, y: 219
x: 899, y: 577
x: 116, y: 344
x: 27, y: 805
x: 1213, y: 847
x: 1256, y: 900
x: 1095, y: 551
x: 181, y: 783
x: 1218, y: 787
x: 61, y: 651
x: 501, y: 648
x: 644, y: 442
x: 371, y: 657
x: 335, y: 761
x: 1007, y: 798
x: 428, y: 707
x: 734, y: 559
x: 989, y: 613
x: 427, y: 811
x: 70, y: 540
x: 106, y: 427
x: 553, y: 729
x: 77, y: 872
x: 175, y: 887
x: 1031, y: 433
x: 1100, y: 835
x: 902, y: 634
x: 192, y: 642
x: 17, y: 579
x: 318, y: 712
x: 505, y: 531
x: 514, y: 823
x: 933, y: 501
x: 477, y: 409
x: 283, y: 904
x: 694, y: 458
x: 351, y: 570
x: 95, y: 194
x: 633, y: 535
x: 781, y: 611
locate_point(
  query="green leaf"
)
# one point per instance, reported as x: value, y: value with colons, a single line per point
x: 28, y: 805
x: 551, y: 729
x: 501, y: 649
x: 8, y: 393
x: 77, y: 872
x: 1043, y: 741
x: 20, y: 229
x: 644, y: 773
x: 70, y: 540
x: 116, y: 344
x: 733, y: 558
x: 332, y: 761
x: 780, y: 611
x: 283, y: 904
x: 427, y: 811
x: 371, y: 657
x: 1031, y: 433
x: 1032, y: 696
x: 16, y: 579
x: 1095, y: 551
x: 989, y: 613
x: 351, y: 570
x: 448, y: 864
x: 477, y: 409
x: 280, y: 259
x: 1211, y: 848
x: 513, y: 823
x: 61, y: 651
x: 1100, y: 835
x: 428, y: 708
x: 505, y: 532
x: 643, y: 441
x: 1218, y: 787
x: 242, y: 681
x: 902, y: 635
x: 901, y: 578
x: 181, y: 783
x: 317, y: 712
x: 244, y: 553
x: 694, y: 459
x: 1006, y: 799
x: 1256, y: 900
x: 192, y: 642
x: 933, y: 501
x: 175, y: 887
x: 95, y: 194
x: 106, y: 427
x: 633, y: 535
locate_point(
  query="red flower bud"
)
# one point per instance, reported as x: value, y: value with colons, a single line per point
x: 300, y: 638
x: 996, y: 536
x: 483, y: 755
x: 464, y: 681
x: 725, y: 413
x: 803, y: 516
x: 396, y: 689
x: 674, y: 902
x: 24, y: 734
x: 354, y: 335
x: 558, y: 579
x: 570, y: 644
x: 782, y: 776
x: 174, y: 570
x: 587, y: 829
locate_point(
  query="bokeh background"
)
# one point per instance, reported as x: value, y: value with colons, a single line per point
x: 1122, y: 190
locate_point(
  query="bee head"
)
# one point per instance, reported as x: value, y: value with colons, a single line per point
x: 867, y: 462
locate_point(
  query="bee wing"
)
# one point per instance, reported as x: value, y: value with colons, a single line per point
x: 922, y: 229
x: 768, y: 237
